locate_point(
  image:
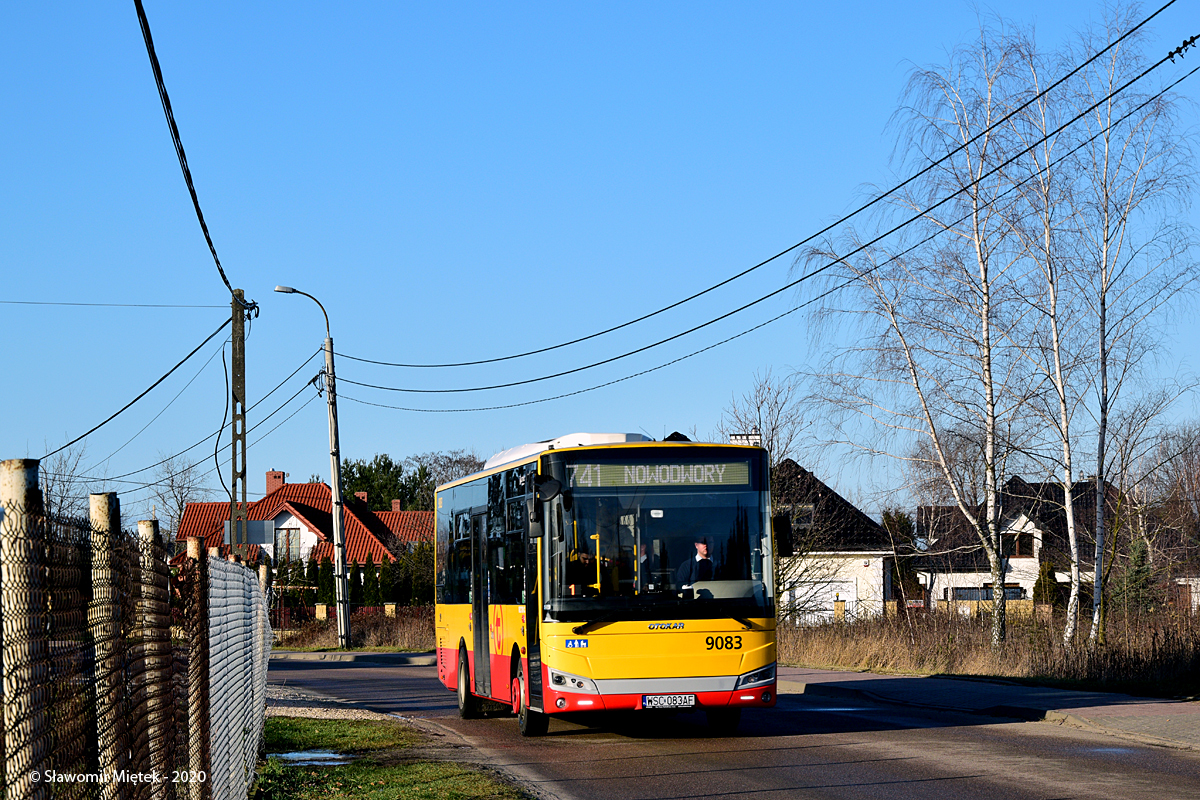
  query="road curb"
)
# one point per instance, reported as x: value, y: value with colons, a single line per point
x: 395, y: 659
x: 1023, y: 713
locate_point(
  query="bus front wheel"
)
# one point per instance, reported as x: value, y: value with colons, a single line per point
x: 468, y: 704
x: 531, y: 723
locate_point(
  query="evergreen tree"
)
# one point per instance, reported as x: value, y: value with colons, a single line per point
x: 371, y: 583
x: 313, y: 576
x: 1045, y: 589
x: 387, y: 588
x: 1136, y: 589
x: 402, y: 582
x: 325, y: 592
x: 356, y: 587
x: 421, y: 560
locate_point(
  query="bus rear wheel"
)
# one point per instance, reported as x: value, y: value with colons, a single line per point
x: 468, y: 704
x: 724, y: 720
x: 531, y: 723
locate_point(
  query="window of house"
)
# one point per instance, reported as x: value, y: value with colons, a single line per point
x: 1012, y: 591
x: 287, y: 545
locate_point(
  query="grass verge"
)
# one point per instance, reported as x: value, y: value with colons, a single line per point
x: 381, y: 769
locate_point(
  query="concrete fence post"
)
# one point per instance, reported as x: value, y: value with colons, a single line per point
x: 155, y: 620
x: 199, y: 745
x: 104, y: 620
x: 26, y: 649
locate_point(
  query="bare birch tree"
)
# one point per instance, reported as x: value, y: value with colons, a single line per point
x: 1046, y: 174
x: 941, y: 312
x: 1133, y: 253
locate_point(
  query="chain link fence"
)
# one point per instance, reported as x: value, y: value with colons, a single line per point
x: 102, y: 696
x: 239, y: 646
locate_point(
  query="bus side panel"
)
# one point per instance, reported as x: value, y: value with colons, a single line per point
x: 453, y: 627
x: 507, y: 629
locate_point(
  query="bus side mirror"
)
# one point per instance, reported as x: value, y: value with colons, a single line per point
x: 781, y: 529
x: 534, y: 508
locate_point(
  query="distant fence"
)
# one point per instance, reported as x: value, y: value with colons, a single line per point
x: 98, y: 699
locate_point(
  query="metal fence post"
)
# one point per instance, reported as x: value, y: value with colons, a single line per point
x: 199, y: 746
x: 104, y: 619
x: 26, y: 650
x: 154, y: 618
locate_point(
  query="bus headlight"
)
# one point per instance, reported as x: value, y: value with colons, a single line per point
x: 758, y: 677
x: 566, y: 682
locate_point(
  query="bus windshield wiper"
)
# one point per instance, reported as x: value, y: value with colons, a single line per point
x: 744, y: 622
x: 601, y: 620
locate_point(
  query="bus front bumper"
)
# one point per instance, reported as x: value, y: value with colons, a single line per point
x: 561, y: 702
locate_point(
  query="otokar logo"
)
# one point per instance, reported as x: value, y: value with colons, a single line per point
x: 666, y: 626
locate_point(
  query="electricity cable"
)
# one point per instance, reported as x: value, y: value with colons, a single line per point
x: 827, y: 266
x: 140, y: 485
x: 103, y: 305
x: 910, y: 220
x: 217, y: 432
x: 799, y: 244
x: 143, y: 394
x: 160, y: 413
x: 183, y: 164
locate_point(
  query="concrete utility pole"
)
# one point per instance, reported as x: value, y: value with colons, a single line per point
x: 341, y: 582
x: 239, y: 539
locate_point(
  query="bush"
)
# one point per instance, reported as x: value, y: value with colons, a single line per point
x: 1156, y: 654
x: 410, y: 629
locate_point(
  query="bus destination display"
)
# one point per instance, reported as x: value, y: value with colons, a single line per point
x: 599, y: 476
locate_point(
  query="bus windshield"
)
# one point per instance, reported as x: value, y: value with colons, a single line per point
x: 679, y: 536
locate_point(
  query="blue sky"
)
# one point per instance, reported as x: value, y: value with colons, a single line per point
x: 453, y: 182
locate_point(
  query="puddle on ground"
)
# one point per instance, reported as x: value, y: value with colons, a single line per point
x: 840, y: 709
x: 314, y: 758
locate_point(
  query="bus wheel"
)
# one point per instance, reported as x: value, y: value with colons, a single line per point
x: 724, y: 720
x: 531, y: 723
x: 468, y: 704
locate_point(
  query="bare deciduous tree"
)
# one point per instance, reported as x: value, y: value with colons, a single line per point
x: 177, y: 482
x: 771, y: 408
x: 64, y: 487
x: 938, y: 305
x: 1133, y: 248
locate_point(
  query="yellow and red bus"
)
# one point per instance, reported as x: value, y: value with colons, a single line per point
x: 608, y: 571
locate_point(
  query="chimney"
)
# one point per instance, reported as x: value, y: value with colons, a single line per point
x: 397, y: 506
x: 275, y: 480
x: 361, y: 496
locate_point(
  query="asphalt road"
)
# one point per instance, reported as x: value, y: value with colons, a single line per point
x: 806, y: 747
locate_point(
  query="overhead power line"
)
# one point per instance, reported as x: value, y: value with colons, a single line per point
x: 160, y: 413
x: 797, y: 245
x: 183, y: 163
x: 843, y: 285
x: 910, y: 220
x: 143, y: 394
x: 103, y: 305
x: 117, y: 478
x: 142, y: 485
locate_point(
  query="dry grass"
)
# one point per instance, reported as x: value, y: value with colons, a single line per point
x: 411, y: 629
x: 1150, y: 654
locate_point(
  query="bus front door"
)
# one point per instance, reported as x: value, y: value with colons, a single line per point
x: 479, y: 605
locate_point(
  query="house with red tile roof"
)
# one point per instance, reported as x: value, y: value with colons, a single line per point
x: 303, y: 517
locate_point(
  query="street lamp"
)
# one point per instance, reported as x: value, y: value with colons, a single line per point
x: 340, y: 582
